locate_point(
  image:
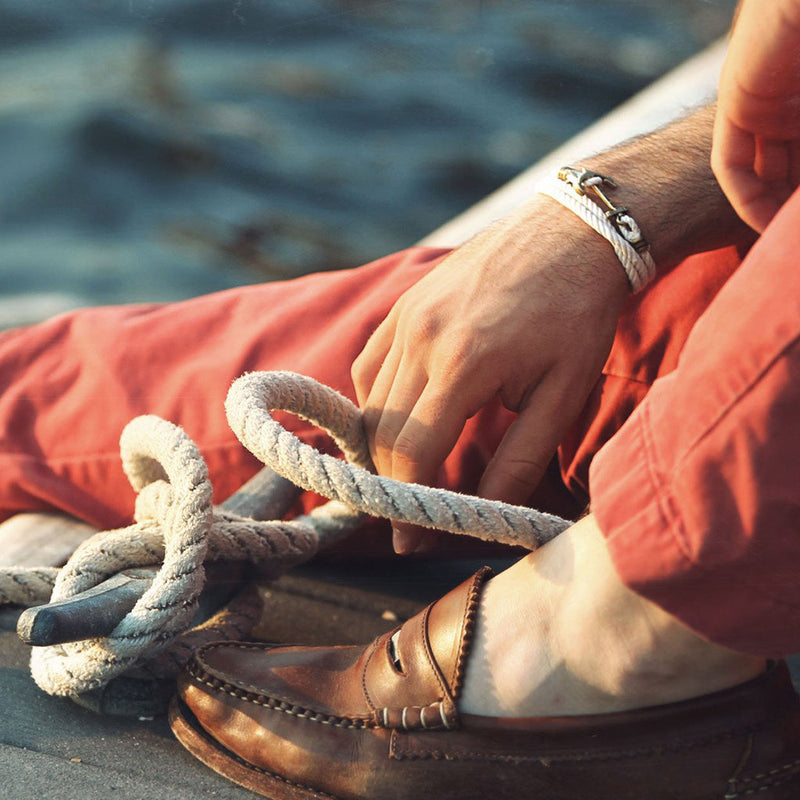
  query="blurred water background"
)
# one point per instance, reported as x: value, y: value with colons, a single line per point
x: 159, y: 149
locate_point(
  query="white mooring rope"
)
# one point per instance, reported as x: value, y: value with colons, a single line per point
x: 177, y: 526
x: 253, y: 396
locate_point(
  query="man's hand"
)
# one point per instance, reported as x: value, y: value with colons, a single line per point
x: 526, y: 310
x: 756, y: 149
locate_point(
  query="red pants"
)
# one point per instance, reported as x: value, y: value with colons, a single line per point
x: 697, y: 494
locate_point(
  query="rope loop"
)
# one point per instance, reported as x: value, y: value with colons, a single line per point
x: 252, y: 397
x: 175, y: 522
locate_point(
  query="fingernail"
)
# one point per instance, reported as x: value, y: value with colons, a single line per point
x: 403, y: 543
x: 397, y: 541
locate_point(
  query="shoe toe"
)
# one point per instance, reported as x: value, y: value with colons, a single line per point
x: 252, y: 699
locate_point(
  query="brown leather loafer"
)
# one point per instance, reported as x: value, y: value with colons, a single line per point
x: 294, y: 723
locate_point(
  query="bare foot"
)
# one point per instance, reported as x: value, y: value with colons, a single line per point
x: 559, y: 634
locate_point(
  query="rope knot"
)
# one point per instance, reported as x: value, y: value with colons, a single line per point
x: 176, y: 523
x: 173, y: 521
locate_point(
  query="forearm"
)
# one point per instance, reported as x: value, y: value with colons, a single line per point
x: 665, y: 179
x: 666, y: 182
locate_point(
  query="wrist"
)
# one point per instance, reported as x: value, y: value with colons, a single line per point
x: 578, y: 252
x: 666, y: 180
x: 586, y: 194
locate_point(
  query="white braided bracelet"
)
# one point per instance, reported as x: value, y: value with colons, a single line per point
x: 571, y: 187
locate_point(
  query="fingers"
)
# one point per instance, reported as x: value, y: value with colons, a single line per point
x: 409, y: 539
x: 407, y: 429
x: 388, y: 408
x: 530, y: 442
x: 419, y: 449
x: 757, y: 125
x: 753, y: 173
x: 412, y: 424
x: 369, y: 361
x: 758, y: 175
x: 429, y: 432
x: 414, y: 442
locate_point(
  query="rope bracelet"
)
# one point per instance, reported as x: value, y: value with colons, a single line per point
x: 580, y: 190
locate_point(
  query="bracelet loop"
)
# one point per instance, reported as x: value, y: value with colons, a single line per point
x: 581, y: 191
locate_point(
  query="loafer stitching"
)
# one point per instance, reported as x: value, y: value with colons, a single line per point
x: 775, y: 777
x: 373, y: 648
x: 432, y: 663
x: 209, y: 670
x: 571, y: 755
x: 468, y: 624
x: 383, y: 718
x: 274, y: 704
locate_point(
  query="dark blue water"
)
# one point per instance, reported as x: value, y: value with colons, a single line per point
x: 157, y: 149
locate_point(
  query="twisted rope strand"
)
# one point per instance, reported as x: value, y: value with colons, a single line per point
x: 26, y: 587
x: 176, y: 524
x: 252, y: 397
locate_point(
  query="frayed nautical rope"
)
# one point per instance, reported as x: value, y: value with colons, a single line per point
x: 253, y: 396
x: 177, y: 525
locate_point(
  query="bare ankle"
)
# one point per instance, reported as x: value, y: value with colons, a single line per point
x: 560, y: 634
x: 640, y: 654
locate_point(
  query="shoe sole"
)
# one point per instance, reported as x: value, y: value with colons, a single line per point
x: 202, y: 746
x: 205, y: 748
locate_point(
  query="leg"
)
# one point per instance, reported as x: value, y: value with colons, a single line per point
x: 575, y: 640
x: 698, y: 493
x: 71, y: 384
x: 696, y: 505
